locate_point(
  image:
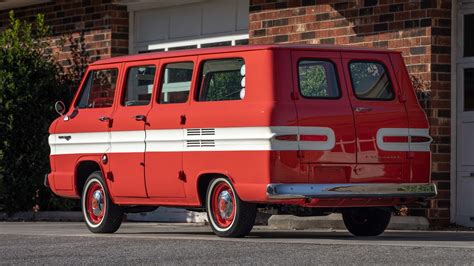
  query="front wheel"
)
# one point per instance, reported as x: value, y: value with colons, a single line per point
x: 228, y: 215
x: 366, y: 221
x: 100, y: 213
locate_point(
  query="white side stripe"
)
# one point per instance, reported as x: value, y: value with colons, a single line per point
x: 182, y: 140
x: 77, y: 143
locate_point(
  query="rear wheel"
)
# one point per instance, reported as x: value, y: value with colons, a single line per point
x: 100, y: 213
x: 366, y: 221
x: 228, y: 215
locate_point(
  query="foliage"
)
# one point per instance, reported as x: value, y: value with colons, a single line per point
x: 422, y: 89
x: 30, y: 82
x: 78, y: 61
x: 224, y: 85
x: 313, y: 82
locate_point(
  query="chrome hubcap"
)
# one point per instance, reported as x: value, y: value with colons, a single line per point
x: 225, y: 204
x: 97, y: 202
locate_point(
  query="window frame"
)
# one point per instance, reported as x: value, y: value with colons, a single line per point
x: 84, y: 84
x: 335, y: 72
x: 394, y: 93
x: 125, y: 84
x: 162, y: 78
x: 200, y: 80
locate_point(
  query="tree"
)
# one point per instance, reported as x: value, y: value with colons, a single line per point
x: 30, y: 83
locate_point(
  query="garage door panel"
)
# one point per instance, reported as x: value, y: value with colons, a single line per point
x: 467, y: 144
x: 151, y: 25
x: 185, y: 21
x: 216, y: 17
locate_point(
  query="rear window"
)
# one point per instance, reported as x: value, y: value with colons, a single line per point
x: 317, y: 79
x: 370, y: 81
x: 99, y: 89
x: 222, y: 80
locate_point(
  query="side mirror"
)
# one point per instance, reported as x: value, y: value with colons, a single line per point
x: 60, y: 108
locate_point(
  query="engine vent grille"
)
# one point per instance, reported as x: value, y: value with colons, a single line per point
x: 201, y: 131
x: 200, y: 143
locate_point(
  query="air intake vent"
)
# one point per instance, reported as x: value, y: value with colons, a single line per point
x: 200, y: 143
x: 201, y: 132
x: 208, y: 131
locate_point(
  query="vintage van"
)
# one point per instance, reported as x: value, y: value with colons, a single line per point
x: 303, y: 130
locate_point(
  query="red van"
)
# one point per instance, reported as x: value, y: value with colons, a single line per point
x: 303, y: 130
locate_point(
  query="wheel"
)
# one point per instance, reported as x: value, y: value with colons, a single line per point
x: 100, y: 213
x: 228, y: 215
x: 366, y: 221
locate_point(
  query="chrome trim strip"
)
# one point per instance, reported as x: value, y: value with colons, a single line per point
x: 360, y: 190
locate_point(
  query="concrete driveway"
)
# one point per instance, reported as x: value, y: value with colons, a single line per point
x: 151, y: 243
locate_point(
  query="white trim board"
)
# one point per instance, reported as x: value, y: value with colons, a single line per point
x: 199, y: 42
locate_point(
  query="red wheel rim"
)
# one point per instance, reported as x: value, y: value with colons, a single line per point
x: 95, y: 203
x: 223, y: 205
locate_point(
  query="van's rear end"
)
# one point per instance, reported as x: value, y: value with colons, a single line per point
x: 363, y: 138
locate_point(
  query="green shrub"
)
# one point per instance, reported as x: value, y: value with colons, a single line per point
x: 30, y: 83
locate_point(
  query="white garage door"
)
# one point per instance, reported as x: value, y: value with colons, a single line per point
x: 171, y: 25
x: 465, y: 117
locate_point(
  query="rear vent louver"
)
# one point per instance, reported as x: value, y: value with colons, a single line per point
x: 200, y: 132
x: 200, y: 143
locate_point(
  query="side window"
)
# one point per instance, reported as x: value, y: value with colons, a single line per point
x: 176, y: 82
x: 222, y: 80
x: 139, y: 86
x: 370, y: 81
x: 317, y: 79
x: 99, y: 89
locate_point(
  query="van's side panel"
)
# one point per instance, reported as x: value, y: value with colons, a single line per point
x: 286, y: 166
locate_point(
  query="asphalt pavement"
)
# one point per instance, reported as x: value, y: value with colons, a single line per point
x: 152, y: 243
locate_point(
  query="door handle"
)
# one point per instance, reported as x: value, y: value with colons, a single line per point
x: 362, y: 109
x: 140, y: 118
x: 105, y: 118
x: 183, y: 120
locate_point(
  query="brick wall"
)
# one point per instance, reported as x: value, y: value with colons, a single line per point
x: 102, y: 24
x: 419, y: 29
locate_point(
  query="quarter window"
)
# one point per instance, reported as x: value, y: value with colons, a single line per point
x: 176, y: 82
x: 222, y: 80
x: 370, y: 81
x: 99, y: 89
x: 317, y: 79
x: 139, y: 86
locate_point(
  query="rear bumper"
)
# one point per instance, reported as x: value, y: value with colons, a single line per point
x: 361, y: 190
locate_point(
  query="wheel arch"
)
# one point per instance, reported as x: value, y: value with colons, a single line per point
x: 84, y: 168
x: 203, y: 182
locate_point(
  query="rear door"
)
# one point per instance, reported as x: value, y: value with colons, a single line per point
x: 325, y: 119
x: 380, y: 117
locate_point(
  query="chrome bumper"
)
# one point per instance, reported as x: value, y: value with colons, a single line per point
x: 361, y: 190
